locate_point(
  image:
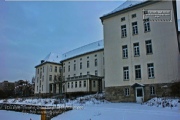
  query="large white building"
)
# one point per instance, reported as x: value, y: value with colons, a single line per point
x: 142, y: 54
x: 77, y: 72
x: 83, y: 69
x: 48, y: 76
x: 138, y: 59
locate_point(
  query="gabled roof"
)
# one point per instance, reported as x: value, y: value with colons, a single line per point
x: 95, y: 46
x: 53, y: 57
x: 125, y: 5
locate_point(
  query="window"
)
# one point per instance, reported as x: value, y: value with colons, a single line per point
x: 87, y: 72
x: 42, y: 87
x: 80, y: 58
x: 134, y: 28
x: 146, y: 25
x: 75, y: 84
x: 55, y: 70
x: 69, y: 68
x: 40, y: 83
x: 50, y: 77
x: 126, y: 91
x: 80, y: 74
x: 122, y: 19
x: 71, y: 84
x: 43, y: 69
x: 126, y: 73
x: 133, y: 15
x: 150, y: 70
x: 55, y: 77
x: 64, y: 69
x: 94, y: 83
x: 79, y: 83
x: 152, y: 90
x: 80, y: 65
x: 68, y: 76
x: 149, y: 47
x: 59, y: 69
x: 50, y: 68
x: 74, y: 75
x: 136, y: 49
x: 37, y: 79
x: 95, y: 62
x: 38, y: 71
x: 37, y: 88
x: 43, y: 78
x: 137, y: 71
x: 68, y: 84
x: 96, y: 73
x: 87, y: 57
x: 87, y: 64
x: 84, y: 83
x: 74, y: 60
x: 74, y: 67
x: 40, y: 74
x: 50, y: 87
x: 95, y: 55
x: 125, y: 51
x: 123, y: 31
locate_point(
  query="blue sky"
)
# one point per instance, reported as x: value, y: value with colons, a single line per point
x: 29, y: 31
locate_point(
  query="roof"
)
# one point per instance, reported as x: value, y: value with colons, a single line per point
x: 53, y: 57
x: 98, y: 45
x: 125, y: 5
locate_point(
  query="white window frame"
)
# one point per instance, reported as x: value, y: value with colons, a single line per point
x: 136, y: 49
x: 138, y: 74
x: 126, y: 91
x: 150, y: 70
x: 147, y: 25
x: 149, y: 49
x: 126, y: 73
x: 152, y: 90
x: 125, y: 51
x: 134, y: 28
x: 123, y: 31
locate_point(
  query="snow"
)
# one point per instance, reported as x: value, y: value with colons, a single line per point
x: 127, y: 4
x: 120, y: 111
x: 95, y: 107
x: 53, y: 57
x: 10, y: 115
x: 84, y: 49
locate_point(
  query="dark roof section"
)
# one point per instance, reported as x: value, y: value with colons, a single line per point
x: 126, y: 6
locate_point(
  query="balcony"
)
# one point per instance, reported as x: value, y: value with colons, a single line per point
x: 82, y: 77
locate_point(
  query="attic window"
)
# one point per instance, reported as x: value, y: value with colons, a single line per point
x: 133, y: 15
x: 74, y: 60
x: 122, y: 19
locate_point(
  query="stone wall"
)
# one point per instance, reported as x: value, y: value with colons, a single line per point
x: 117, y: 94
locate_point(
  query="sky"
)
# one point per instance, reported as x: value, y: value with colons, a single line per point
x: 29, y: 31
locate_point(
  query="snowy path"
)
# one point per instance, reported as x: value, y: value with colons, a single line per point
x: 121, y: 111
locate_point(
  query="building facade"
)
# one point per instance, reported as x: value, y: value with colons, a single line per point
x: 83, y: 69
x: 48, y: 76
x: 141, y: 56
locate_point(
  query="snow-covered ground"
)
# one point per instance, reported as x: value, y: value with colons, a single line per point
x: 95, y: 107
x: 10, y: 115
x: 121, y: 111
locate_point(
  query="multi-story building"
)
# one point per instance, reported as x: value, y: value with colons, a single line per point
x: 48, y: 76
x: 83, y: 69
x: 142, y: 56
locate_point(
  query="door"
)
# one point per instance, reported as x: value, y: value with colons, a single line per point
x: 139, y: 94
